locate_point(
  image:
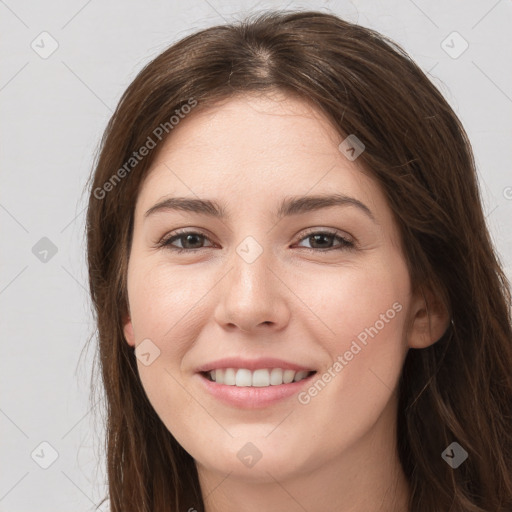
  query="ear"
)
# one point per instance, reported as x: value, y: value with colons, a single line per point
x: 128, y: 331
x: 430, y: 319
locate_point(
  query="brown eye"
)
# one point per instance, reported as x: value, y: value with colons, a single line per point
x: 190, y: 241
x: 319, y: 241
x: 324, y: 241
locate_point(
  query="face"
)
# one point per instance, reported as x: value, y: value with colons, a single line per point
x: 277, y: 287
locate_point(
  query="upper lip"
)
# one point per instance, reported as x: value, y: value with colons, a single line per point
x: 251, y: 364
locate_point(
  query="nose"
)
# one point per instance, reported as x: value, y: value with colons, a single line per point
x: 253, y: 296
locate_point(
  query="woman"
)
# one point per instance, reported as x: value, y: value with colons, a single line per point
x: 298, y: 302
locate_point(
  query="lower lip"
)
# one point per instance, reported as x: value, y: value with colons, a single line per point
x: 249, y: 397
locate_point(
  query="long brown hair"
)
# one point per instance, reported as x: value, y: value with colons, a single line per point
x: 457, y: 390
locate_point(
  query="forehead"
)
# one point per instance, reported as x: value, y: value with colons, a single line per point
x: 258, y: 123
x: 254, y: 150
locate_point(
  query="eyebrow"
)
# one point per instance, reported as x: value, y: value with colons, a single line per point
x: 289, y: 206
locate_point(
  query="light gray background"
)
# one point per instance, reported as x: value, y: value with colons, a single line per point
x: 53, y: 112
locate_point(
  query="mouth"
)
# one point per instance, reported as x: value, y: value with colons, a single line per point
x: 256, y: 388
x: 256, y: 383
x: 258, y: 378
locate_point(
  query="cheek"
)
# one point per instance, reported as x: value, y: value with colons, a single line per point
x: 365, y: 310
x: 349, y: 299
x: 367, y: 313
x: 167, y: 307
x: 162, y: 306
x: 163, y: 302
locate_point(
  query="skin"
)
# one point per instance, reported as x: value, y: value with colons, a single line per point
x: 337, y: 452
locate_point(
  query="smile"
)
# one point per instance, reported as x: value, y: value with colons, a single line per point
x: 262, y: 377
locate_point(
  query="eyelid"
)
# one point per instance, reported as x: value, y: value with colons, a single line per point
x: 329, y: 231
x: 347, y: 241
x: 164, y: 241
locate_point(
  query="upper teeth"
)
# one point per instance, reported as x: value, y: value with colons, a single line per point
x: 258, y: 378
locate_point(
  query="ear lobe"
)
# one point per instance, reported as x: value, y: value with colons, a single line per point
x: 430, y: 320
x: 128, y: 332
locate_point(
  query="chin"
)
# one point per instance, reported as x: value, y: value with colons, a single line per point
x: 253, y: 461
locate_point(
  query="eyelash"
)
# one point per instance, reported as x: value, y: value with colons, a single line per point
x: 345, y: 243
